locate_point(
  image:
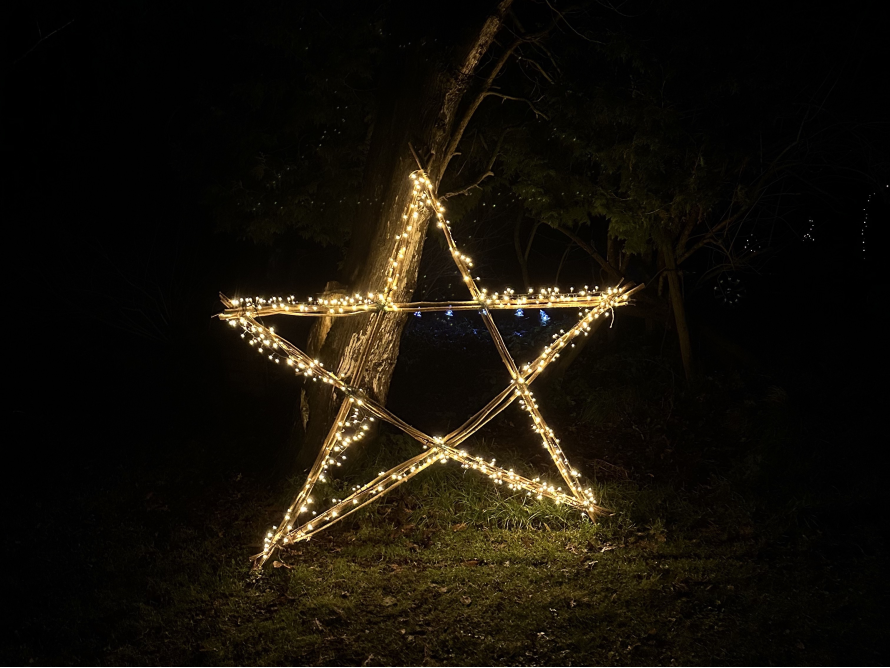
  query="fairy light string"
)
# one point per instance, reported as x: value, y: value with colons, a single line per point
x: 357, y: 410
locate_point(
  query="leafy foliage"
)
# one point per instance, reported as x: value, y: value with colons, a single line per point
x: 655, y: 138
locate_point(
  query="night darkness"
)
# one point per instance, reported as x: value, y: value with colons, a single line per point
x: 158, y: 154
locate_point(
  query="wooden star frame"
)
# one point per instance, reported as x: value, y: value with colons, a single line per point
x: 358, y: 409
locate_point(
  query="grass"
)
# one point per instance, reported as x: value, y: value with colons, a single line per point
x: 442, y: 574
x: 735, y: 539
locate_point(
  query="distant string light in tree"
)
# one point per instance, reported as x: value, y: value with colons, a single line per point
x: 808, y: 235
x: 751, y: 244
x: 865, y: 223
x: 730, y: 290
x: 358, y: 410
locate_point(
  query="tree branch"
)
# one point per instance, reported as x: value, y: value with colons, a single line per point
x: 711, y: 235
x: 474, y: 105
x: 591, y: 251
x: 570, y: 26
x: 531, y: 238
x: 41, y: 41
x: 549, y: 55
x: 486, y: 86
x: 464, y: 191
x: 735, y: 264
x: 486, y: 36
x: 518, y: 99
x: 759, y: 189
x: 537, y: 66
x: 562, y: 261
x: 488, y: 172
x: 444, y: 146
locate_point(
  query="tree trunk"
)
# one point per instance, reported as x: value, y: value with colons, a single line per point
x: 420, y: 96
x: 679, y: 308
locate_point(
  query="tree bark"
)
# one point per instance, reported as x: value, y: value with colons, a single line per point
x: 420, y: 97
x: 679, y: 308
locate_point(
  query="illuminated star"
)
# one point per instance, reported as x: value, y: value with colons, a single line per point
x: 357, y: 409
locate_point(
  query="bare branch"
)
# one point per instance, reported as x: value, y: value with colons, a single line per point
x: 537, y: 66
x: 734, y: 264
x: 591, y: 251
x: 494, y: 156
x: 540, y: 46
x: 463, y: 80
x: 566, y: 21
x: 759, y: 188
x: 531, y: 238
x: 40, y: 41
x: 474, y: 105
x: 486, y: 86
x: 464, y: 191
x: 712, y: 234
x: 519, y: 99
x: 562, y: 261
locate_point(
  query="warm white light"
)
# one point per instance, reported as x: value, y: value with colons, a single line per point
x: 358, y: 410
